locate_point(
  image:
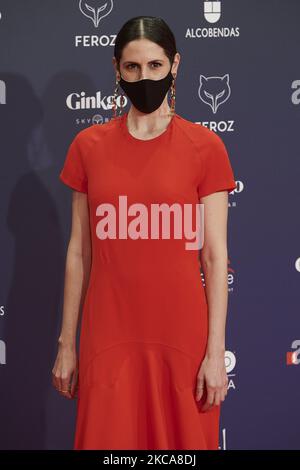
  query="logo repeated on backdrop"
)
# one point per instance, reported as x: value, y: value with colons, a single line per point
x: 80, y: 101
x: 230, y: 363
x: 295, y: 97
x: 2, y: 92
x: 2, y: 343
x: 214, y: 91
x: 230, y: 277
x: 2, y: 352
x: 95, y: 11
x: 297, y: 264
x: 293, y: 357
x: 212, y: 13
x: 224, y: 440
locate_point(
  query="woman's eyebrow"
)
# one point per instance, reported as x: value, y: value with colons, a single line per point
x: 133, y: 62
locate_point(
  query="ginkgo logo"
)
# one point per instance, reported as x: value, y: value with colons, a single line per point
x: 293, y: 357
x: 80, y: 100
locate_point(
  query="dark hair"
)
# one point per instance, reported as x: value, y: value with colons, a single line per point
x: 148, y: 27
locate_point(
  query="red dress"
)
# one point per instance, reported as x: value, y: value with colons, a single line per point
x: 145, y: 319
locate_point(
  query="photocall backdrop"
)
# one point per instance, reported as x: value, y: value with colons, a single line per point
x: 238, y: 75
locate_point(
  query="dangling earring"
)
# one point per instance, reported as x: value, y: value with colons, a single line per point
x: 173, y: 97
x: 115, y: 97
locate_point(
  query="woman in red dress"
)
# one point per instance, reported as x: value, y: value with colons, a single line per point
x: 151, y: 370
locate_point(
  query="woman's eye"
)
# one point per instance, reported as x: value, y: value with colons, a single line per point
x: 156, y: 64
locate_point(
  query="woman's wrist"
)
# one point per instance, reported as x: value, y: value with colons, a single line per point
x: 215, y: 351
x: 68, y: 343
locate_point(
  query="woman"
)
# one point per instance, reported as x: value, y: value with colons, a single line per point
x: 151, y: 371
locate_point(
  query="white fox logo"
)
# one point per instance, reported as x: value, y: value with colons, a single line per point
x: 92, y: 10
x: 214, y: 91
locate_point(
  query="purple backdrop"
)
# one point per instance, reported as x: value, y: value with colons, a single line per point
x: 53, y: 55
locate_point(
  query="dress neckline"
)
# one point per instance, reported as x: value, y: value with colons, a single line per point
x: 130, y: 137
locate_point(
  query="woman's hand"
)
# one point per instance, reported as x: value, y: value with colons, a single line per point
x: 212, y: 375
x: 65, y: 371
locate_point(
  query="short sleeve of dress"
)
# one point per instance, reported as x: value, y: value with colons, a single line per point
x: 216, y: 171
x: 73, y: 173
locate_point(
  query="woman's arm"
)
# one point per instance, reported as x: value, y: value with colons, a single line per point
x: 214, y: 262
x: 77, y: 270
x: 77, y: 273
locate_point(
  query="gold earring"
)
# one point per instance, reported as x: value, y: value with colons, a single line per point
x: 115, y: 97
x: 173, y: 97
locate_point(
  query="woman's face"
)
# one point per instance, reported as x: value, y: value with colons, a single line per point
x: 142, y: 58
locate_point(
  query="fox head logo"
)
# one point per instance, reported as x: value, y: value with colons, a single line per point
x: 95, y: 10
x: 214, y: 91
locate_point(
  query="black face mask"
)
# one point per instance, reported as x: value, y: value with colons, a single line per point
x: 147, y: 95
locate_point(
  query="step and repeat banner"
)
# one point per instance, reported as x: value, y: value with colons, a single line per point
x: 239, y: 75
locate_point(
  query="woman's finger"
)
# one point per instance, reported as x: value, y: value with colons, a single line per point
x: 56, y: 381
x: 74, y: 382
x: 210, y: 399
x: 217, y: 399
x: 223, y: 396
x: 66, y: 387
x: 224, y: 392
x: 199, y: 387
